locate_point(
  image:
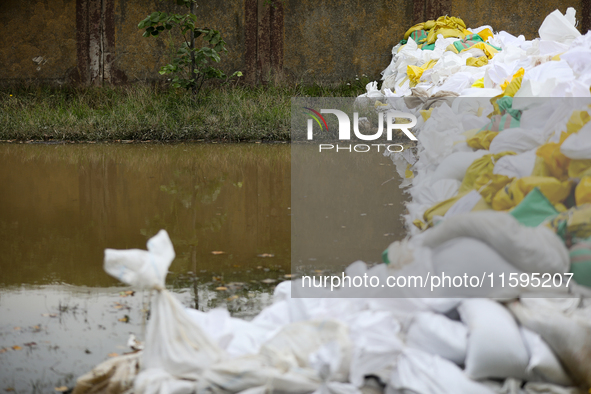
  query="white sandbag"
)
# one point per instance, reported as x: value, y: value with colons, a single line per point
x: 436, y: 334
x: 559, y: 27
x: 464, y: 204
x: 140, y: 268
x: 277, y: 315
x: 500, y: 72
x: 424, y: 373
x: 516, y: 140
x: 113, y: 376
x: 578, y: 145
x: 441, y: 190
x: 533, y: 88
x: 292, y: 346
x: 251, y: 372
x: 455, y: 165
x: 543, y: 364
x: 547, y: 388
x: 159, y: 381
x: 236, y: 336
x: 376, y: 344
x: 528, y: 249
x: 174, y: 342
x: 573, y: 88
x: 517, y: 386
x: 579, y: 59
x: 551, y: 48
x: 480, y: 92
x: 516, y: 166
x: 568, y: 335
x: 495, y: 346
x: 461, y: 263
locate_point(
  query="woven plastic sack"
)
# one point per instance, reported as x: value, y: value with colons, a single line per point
x: 566, y: 333
x: 580, y: 263
x: 174, y: 342
x: 514, y: 193
x: 528, y: 249
x: 583, y: 191
x: 578, y: 145
x: 495, y: 345
x: 534, y: 209
x: 559, y: 27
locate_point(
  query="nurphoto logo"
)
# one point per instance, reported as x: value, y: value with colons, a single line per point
x: 344, y: 132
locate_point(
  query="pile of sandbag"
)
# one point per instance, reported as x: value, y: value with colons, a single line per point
x: 445, y: 57
x: 500, y: 182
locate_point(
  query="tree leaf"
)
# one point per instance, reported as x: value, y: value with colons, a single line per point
x: 154, y: 16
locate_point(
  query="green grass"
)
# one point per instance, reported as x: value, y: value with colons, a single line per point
x: 143, y: 112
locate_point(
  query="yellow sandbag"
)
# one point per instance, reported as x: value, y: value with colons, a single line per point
x: 477, y: 62
x: 518, y: 74
x: 479, y: 83
x: 583, y: 191
x: 408, y: 173
x: 445, y: 32
x: 429, y: 25
x: 414, y: 73
x: 470, y: 133
x: 488, y: 185
x: 540, y: 168
x: 573, y: 223
x: 577, y: 120
x: 482, y: 140
x: 481, y: 166
x: 556, y: 163
x: 513, y: 193
x: 418, y: 26
x: 488, y: 50
x: 451, y: 22
x: 513, y: 87
x: 426, y: 113
x: 485, y: 34
x: 420, y: 224
x: 579, y: 168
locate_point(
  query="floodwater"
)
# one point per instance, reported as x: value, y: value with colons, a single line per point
x: 227, y: 209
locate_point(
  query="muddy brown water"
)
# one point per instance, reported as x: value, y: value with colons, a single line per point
x: 61, y: 205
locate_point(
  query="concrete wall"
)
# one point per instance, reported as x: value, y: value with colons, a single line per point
x: 97, y: 41
x: 40, y: 30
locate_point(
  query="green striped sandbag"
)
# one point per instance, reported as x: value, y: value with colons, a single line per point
x: 418, y: 36
x: 467, y: 42
x: 580, y: 263
x: 473, y: 37
x: 501, y: 122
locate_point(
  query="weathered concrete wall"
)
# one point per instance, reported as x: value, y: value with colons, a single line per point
x: 97, y: 41
x: 44, y: 30
x: 342, y: 38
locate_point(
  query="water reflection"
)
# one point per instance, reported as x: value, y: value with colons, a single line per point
x: 62, y: 205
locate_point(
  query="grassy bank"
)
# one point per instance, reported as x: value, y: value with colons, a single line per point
x: 142, y: 112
